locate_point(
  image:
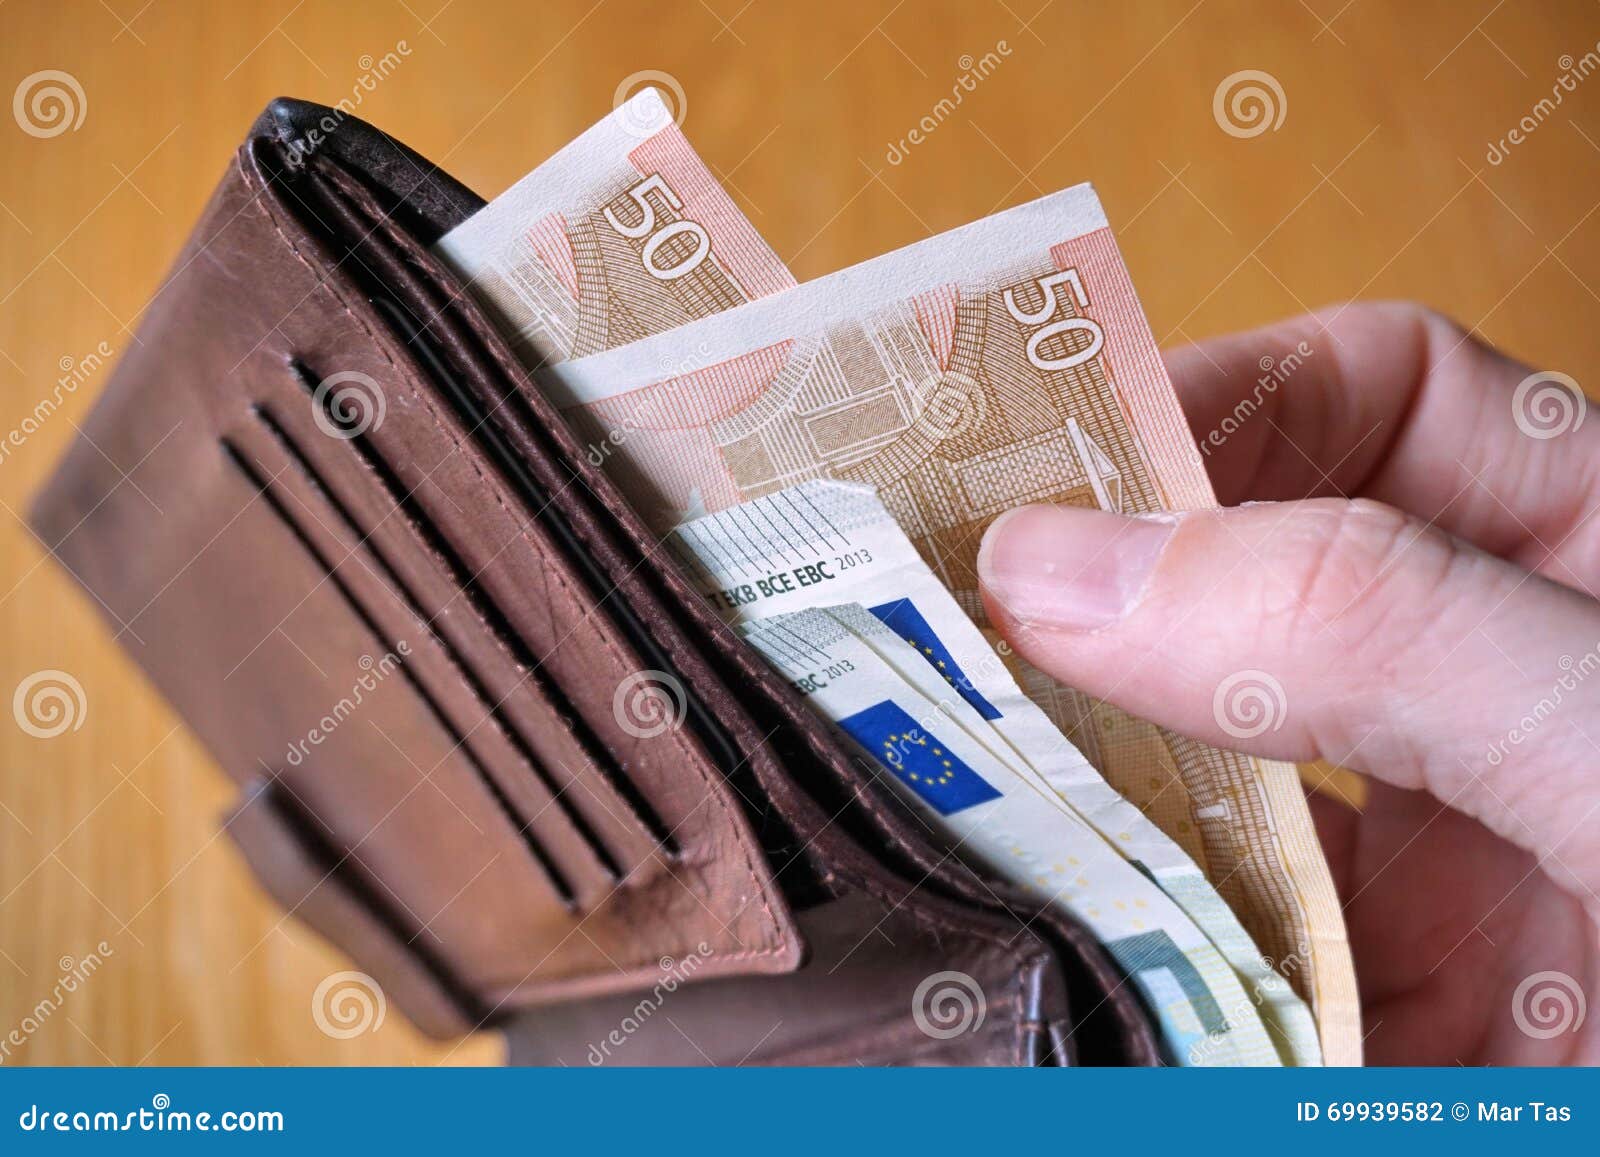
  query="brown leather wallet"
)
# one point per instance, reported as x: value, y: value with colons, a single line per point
x: 416, y: 636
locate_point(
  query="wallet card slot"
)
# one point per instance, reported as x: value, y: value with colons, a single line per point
x: 406, y: 593
x: 712, y: 736
x: 422, y: 525
x: 265, y: 487
x: 356, y: 232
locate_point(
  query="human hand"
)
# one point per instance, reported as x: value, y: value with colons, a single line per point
x: 1417, y: 571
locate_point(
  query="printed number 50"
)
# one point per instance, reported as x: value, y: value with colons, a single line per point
x: 646, y: 227
x: 1047, y: 309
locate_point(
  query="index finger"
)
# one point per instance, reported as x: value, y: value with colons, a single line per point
x: 1393, y: 402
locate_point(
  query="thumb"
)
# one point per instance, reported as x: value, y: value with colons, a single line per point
x: 1323, y: 629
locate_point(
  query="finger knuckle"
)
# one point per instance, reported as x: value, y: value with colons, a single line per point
x: 1427, y: 321
x: 1433, y: 323
x: 1361, y: 571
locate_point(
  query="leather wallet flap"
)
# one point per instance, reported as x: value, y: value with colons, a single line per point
x: 310, y: 584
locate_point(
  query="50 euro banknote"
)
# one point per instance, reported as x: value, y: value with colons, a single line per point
x: 1003, y: 363
x: 622, y: 234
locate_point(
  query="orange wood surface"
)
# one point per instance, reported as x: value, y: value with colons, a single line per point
x: 1376, y: 184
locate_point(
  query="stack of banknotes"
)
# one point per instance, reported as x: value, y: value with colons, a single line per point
x: 824, y: 459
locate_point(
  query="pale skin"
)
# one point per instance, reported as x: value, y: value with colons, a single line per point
x: 1419, y: 576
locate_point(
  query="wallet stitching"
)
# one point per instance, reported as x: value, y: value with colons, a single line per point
x: 889, y: 1039
x: 774, y: 928
x: 557, y: 879
x: 542, y: 776
x: 406, y: 598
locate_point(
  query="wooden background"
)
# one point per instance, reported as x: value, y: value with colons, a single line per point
x: 1377, y: 183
